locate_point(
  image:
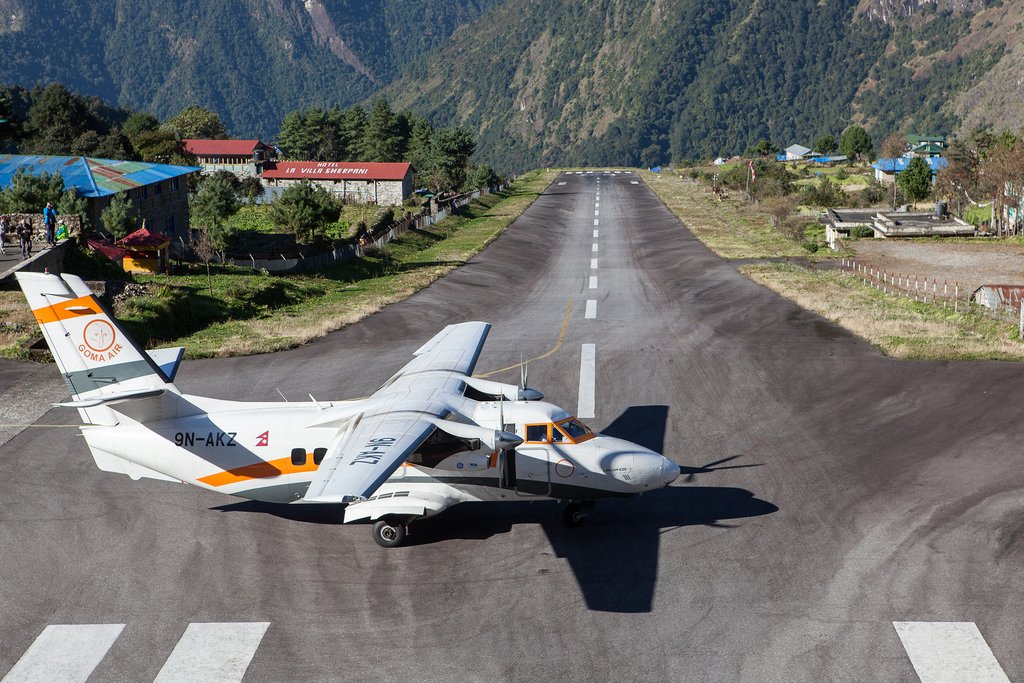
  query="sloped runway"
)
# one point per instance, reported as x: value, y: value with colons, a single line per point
x: 828, y: 492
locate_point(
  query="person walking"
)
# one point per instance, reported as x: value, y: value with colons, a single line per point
x: 50, y: 219
x: 5, y: 227
x: 25, y: 233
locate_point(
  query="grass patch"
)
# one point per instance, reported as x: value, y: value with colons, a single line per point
x: 899, y: 327
x: 730, y: 228
x: 257, y: 314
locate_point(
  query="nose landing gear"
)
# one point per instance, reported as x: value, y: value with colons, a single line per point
x: 576, y: 512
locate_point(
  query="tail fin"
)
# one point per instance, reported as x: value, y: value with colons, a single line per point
x: 98, y: 360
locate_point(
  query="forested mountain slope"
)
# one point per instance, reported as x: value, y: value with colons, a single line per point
x: 613, y: 81
x: 251, y: 61
x: 544, y: 82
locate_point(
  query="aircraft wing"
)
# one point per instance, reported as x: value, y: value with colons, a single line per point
x: 399, y: 417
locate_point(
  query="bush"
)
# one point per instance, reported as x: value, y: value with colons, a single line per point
x: 861, y: 231
x: 842, y: 174
x: 810, y: 246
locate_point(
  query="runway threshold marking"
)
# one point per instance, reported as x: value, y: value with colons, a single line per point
x: 64, y: 653
x: 593, y: 282
x: 553, y: 350
x: 588, y: 375
x: 591, y: 311
x: 212, y: 652
x: 949, y: 651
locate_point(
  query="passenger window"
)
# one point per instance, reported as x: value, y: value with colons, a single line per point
x: 318, y: 455
x: 299, y: 456
x: 556, y: 435
x: 537, y: 433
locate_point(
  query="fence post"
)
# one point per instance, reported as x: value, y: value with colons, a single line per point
x: 956, y: 297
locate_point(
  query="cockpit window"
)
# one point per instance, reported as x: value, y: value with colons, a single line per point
x: 537, y: 433
x: 576, y: 430
x: 556, y: 435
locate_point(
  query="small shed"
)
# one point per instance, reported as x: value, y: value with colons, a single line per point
x: 998, y: 296
x: 797, y: 152
x: 146, y: 251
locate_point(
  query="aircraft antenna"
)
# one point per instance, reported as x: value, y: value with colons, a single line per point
x: 278, y: 390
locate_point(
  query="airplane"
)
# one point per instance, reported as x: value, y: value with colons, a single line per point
x: 431, y: 437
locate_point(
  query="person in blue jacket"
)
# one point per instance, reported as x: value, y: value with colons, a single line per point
x: 50, y: 219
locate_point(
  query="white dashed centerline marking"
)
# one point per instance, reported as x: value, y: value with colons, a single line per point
x: 562, y: 183
x: 597, y: 205
x: 595, y: 233
x: 596, y: 212
x: 591, y: 311
x: 588, y: 358
x: 596, y: 222
x: 593, y: 264
x: 212, y: 652
x: 634, y: 182
x: 593, y: 282
x: 593, y: 247
x: 949, y: 651
x: 64, y: 653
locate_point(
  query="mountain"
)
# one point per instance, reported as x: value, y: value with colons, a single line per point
x: 620, y: 82
x: 546, y: 82
x: 251, y: 61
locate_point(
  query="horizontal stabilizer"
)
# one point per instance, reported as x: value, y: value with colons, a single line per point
x: 112, y: 399
x: 168, y: 359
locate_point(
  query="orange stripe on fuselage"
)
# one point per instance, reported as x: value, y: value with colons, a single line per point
x: 259, y: 470
x: 83, y: 305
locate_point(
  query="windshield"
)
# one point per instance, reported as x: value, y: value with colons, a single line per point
x: 576, y: 430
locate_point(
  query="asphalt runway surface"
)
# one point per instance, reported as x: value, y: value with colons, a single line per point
x: 851, y: 491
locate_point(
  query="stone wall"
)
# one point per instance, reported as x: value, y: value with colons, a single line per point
x: 74, y: 224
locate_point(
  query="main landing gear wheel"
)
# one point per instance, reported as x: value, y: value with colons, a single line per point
x: 573, y: 515
x: 388, y: 533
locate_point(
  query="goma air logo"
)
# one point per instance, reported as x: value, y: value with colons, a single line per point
x: 99, y: 340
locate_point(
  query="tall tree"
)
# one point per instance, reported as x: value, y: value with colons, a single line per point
x: 826, y: 144
x: 119, y: 218
x: 419, y: 151
x: 29, y: 193
x: 893, y: 146
x: 451, y: 149
x: 353, y: 124
x: 197, y: 122
x: 916, y: 180
x: 211, y: 206
x: 856, y: 143
x: 381, y: 139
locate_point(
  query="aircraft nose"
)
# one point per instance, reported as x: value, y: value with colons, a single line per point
x: 656, y: 470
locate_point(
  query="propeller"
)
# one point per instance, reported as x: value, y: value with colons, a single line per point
x: 691, y: 472
x: 525, y: 392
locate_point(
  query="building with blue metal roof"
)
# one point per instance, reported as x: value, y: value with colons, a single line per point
x: 158, y: 192
x: 886, y: 170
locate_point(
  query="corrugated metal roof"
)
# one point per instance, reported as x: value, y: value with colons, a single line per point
x: 91, y: 177
x: 221, y: 147
x: 899, y: 164
x: 336, y: 170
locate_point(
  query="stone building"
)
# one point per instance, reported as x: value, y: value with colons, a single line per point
x: 387, y: 184
x: 241, y: 157
x: 158, y: 192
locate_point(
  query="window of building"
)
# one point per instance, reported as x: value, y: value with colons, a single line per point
x: 299, y: 456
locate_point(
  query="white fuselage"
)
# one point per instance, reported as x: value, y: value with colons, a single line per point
x: 268, y: 452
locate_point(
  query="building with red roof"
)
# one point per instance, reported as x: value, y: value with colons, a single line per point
x: 146, y: 251
x: 387, y: 184
x: 241, y: 157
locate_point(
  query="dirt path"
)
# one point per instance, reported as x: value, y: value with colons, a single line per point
x: 971, y: 264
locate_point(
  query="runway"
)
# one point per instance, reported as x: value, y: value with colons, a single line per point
x: 832, y: 499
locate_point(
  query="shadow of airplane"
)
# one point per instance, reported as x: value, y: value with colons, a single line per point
x: 614, y: 555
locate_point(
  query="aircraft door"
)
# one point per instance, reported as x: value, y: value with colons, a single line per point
x: 533, y: 474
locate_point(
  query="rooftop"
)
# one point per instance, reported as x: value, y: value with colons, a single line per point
x: 91, y: 177
x: 900, y: 164
x: 222, y: 147
x: 143, y: 237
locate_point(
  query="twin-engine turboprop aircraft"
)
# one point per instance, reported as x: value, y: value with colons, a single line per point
x: 431, y: 437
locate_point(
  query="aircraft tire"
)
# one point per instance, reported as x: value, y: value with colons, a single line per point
x: 573, y: 515
x: 388, y: 533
